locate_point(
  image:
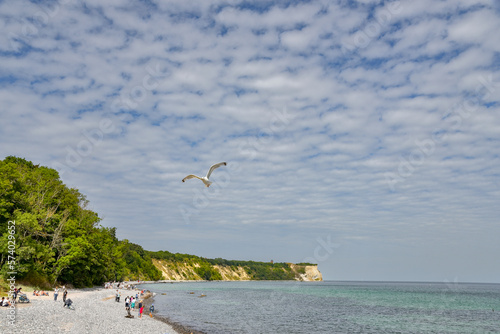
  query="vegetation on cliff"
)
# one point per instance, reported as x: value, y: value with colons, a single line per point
x: 209, y: 269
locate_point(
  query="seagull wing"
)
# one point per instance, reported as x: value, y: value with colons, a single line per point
x: 191, y: 176
x: 214, y: 167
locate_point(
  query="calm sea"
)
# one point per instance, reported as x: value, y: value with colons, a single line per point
x: 331, y: 307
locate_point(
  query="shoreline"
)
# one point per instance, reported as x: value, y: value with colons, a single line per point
x: 178, y: 327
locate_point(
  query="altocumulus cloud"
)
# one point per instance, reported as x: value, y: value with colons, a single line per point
x: 371, y: 124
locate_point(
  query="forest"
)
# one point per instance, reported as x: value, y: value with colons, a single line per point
x: 56, y: 238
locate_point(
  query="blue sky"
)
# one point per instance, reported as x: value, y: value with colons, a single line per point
x: 359, y: 135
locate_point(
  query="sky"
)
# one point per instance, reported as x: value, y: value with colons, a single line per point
x: 359, y: 135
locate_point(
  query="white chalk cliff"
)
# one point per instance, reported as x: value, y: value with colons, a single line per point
x: 181, y: 271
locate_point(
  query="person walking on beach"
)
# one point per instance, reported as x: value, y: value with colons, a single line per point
x: 141, y: 309
x: 151, y: 310
x: 127, y: 307
x: 56, y: 293
x: 65, y: 294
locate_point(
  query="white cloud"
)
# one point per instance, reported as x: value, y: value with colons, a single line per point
x: 312, y: 132
x: 475, y: 27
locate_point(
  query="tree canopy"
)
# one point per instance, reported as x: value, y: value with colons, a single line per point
x: 57, y: 238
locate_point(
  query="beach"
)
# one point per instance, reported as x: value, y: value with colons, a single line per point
x: 96, y: 311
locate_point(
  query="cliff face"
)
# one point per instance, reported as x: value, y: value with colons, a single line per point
x: 306, y: 273
x: 181, y: 271
x: 229, y: 274
x: 176, y: 271
x: 313, y: 273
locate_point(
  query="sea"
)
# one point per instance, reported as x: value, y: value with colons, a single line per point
x: 275, y: 307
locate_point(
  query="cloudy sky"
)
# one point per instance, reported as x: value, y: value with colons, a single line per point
x: 359, y: 135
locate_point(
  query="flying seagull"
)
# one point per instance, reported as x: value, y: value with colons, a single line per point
x: 204, y: 179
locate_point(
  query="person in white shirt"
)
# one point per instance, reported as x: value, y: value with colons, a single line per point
x: 56, y: 293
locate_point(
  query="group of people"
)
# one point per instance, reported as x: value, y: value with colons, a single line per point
x: 132, y: 303
x: 5, y: 302
x: 119, y: 285
x: 113, y: 285
x: 56, y: 293
x: 66, y: 300
x: 17, y: 291
x: 40, y: 293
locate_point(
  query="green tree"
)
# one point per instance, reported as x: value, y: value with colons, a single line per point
x: 58, y: 238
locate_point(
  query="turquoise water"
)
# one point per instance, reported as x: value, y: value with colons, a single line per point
x: 331, y: 307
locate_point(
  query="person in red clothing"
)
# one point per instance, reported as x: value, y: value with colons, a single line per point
x: 141, y: 308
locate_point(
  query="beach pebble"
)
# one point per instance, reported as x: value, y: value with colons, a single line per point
x: 95, y: 312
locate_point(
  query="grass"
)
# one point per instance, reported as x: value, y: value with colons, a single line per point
x: 5, y: 288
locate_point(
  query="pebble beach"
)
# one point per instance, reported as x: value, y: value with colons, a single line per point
x: 96, y: 311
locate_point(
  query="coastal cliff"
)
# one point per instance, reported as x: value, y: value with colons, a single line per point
x: 306, y: 273
x: 189, y: 270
